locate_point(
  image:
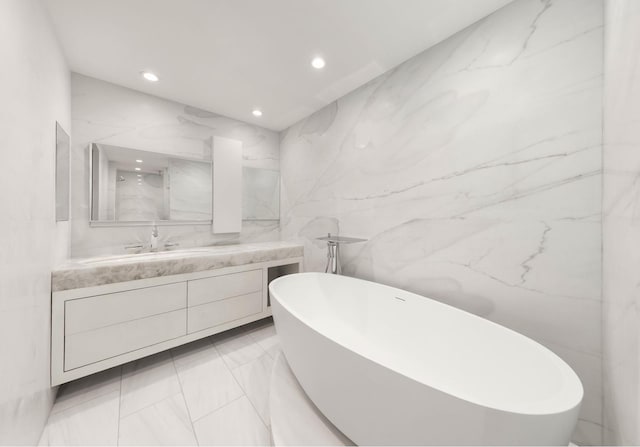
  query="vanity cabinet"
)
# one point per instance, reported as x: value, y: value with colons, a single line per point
x: 96, y: 328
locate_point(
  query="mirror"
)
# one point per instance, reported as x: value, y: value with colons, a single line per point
x: 62, y: 174
x: 130, y: 185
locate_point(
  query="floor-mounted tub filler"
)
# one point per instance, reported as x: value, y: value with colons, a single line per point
x: 390, y: 367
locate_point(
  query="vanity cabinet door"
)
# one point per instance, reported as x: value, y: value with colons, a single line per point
x: 223, y: 311
x: 221, y: 287
x: 105, y: 326
x: 224, y: 298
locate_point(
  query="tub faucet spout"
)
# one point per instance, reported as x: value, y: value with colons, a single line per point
x: 333, y: 251
x: 333, y: 266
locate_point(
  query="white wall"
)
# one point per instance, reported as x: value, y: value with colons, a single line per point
x: 474, y: 169
x: 34, y: 92
x: 110, y: 114
x: 621, y: 229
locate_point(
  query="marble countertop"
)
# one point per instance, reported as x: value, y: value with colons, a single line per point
x: 78, y: 273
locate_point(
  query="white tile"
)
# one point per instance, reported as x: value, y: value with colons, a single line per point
x: 238, y: 348
x: 192, y: 351
x: 296, y: 420
x: 94, y: 422
x: 267, y: 338
x: 164, y: 423
x: 254, y: 378
x: 206, y: 382
x: 87, y: 388
x: 147, y: 381
x: 234, y: 424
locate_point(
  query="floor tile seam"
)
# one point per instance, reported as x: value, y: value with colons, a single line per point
x: 146, y: 407
x: 53, y: 412
x: 155, y: 401
x: 59, y: 412
x: 184, y: 399
x: 245, y: 391
x: 179, y: 364
x: 119, y: 406
x: 241, y: 364
x: 220, y: 408
x: 146, y: 368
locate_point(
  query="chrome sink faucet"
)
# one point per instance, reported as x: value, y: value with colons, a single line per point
x: 154, y: 243
x: 153, y: 240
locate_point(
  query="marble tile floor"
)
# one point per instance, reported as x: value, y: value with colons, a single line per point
x: 214, y: 391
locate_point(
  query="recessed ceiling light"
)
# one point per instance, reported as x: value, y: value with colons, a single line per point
x: 138, y: 161
x: 318, y: 62
x: 257, y: 112
x: 151, y: 77
x: 137, y: 169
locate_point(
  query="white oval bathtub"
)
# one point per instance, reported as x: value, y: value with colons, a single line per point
x: 391, y: 367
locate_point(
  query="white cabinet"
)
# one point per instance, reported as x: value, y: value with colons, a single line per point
x: 103, y: 343
x: 223, y: 298
x: 85, y: 314
x: 96, y: 328
x: 202, y: 291
x: 107, y: 325
x: 227, y: 185
x: 215, y: 313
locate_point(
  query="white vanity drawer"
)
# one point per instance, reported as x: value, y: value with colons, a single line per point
x: 217, y: 288
x: 85, y: 314
x: 223, y: 311
x: 99, y: 344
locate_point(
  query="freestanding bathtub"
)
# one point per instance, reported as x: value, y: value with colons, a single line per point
x: 391, y: 367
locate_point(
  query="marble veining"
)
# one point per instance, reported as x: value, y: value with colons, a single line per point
x: 260, y: 194
x: 474, y: 171
x: 81, y: 273
x: 621, y: 229
x: 113, y: 115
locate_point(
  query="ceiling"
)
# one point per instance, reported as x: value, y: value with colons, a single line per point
x: 231, y: 56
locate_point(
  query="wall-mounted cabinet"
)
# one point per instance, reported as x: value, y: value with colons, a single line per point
x: 96, y: 328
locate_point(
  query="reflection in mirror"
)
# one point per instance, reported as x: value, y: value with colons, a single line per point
x: 130, y: 185
x: 260, y: 194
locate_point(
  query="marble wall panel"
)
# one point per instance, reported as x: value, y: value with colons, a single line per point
x: 260, y: 194
x: 474, y: 171
x: 35, y: 92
